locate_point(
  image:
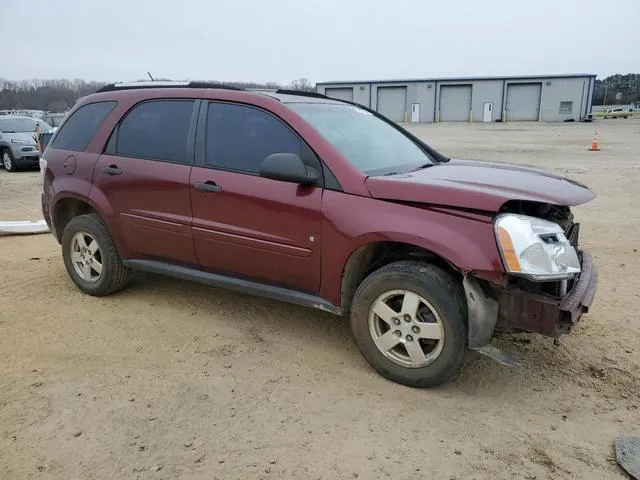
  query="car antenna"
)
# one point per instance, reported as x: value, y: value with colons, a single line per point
x: 148, y: 73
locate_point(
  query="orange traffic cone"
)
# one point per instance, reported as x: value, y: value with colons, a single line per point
x: 595, y: 145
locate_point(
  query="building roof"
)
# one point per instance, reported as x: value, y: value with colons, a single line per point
x: 459, y: 79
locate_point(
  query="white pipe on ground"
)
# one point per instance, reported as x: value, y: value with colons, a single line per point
x: 23, y: 227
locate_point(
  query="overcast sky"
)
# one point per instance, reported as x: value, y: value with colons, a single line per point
x: 281, y: 40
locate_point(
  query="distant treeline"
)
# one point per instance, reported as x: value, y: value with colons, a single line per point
x: 61, y: 95
x: 619, y: 89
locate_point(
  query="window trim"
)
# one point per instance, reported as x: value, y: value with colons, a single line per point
x: 110, y: 146
x: 561, y: 112
x: 68, y: 118
x: 201, y: 142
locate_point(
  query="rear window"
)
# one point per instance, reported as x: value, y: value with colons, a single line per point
x: 81, y: 126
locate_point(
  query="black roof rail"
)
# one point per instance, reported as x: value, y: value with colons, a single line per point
x: 223, y: 86
x: 300, y: 93
x: 112, y: 87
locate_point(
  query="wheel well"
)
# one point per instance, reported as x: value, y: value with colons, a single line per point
x: 373, y: 256
x: 65, y: 210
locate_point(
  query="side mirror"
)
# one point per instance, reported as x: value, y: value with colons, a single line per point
x: 288, y: 167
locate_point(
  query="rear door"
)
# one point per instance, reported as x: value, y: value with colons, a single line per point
x: 144, y: 176
x: 72, y: 166
x: 245, y: 225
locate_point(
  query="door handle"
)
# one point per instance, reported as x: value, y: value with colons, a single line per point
x: 208, y: 186
x: 112, y: 170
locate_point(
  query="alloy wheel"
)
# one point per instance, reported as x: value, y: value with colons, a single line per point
x: 6, y: 161
x: 406, y: 328
x: 86, y: 257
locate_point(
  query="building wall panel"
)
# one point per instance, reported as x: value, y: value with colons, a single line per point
x: 559, y: 93
x: 487, y: 91
x: 425, y: 95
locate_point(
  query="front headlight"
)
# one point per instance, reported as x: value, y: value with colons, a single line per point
x: 535, y: 248
x: 21, y: 142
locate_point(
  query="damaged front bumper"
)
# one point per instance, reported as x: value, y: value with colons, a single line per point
x: 512, y: 308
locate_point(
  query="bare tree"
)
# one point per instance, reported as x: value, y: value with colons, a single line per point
x: 303, y: 84
x: 59, y: 95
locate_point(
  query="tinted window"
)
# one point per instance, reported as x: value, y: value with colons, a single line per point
x: 81, y: 126
x: 158, y: 130
x: 240, y: 137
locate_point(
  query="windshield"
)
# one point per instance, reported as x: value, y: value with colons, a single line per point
x: 55, y: 120
x: 22, y: 125
x: 371, y: 145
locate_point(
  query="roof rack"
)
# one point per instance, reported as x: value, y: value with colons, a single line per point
x: 112, y: 87
x: 301, y: 93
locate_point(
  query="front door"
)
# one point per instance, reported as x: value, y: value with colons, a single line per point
x: 415, y: 112
x: 245, y: 225
x: 143, y: 176
x: 487, y: 112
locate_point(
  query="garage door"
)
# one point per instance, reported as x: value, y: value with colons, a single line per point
x: 523, y: 101
x: 455, y: 103
x: 340, y: 93
x: 392, y: 102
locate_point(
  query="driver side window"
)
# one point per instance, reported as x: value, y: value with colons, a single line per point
x: 240, y: 137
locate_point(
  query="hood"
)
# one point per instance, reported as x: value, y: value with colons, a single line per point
x: 22, y: 136
x: 478, y: 185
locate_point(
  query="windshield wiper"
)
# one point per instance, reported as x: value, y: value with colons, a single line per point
x: 426, y: 165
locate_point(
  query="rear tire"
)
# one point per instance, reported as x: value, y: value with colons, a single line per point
x: 91, y: 258
x: 419, y: 350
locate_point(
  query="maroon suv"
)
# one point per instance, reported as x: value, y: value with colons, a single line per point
x: 318, y: 202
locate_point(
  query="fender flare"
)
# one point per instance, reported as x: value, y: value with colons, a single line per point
x: 107, y: 214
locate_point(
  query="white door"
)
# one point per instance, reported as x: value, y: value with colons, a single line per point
x: 415, y: 112
x: 487, y: 111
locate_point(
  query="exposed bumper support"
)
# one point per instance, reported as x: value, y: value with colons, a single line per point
x: 580, y: 298
x: 517, y: 309
x: 548, y: 315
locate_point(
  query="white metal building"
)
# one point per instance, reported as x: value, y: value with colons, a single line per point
x: 546, y: 98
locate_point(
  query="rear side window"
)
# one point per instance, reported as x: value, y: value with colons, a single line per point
x: 157, y: 130
x: 240, y: 137
x: 81, y: 126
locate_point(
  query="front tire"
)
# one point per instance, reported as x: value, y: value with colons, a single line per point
x: 409, y: 321
x: 8, y: 161
x: 91, y: 258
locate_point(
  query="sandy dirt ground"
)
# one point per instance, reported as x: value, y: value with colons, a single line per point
x: 171, y: 380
